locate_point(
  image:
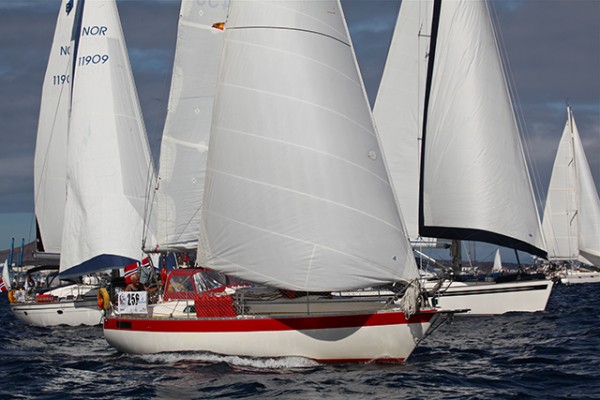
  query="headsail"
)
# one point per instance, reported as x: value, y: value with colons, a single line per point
x: 297, y: 194
x: 6, y: 275
x: 50, y: 163
x: 474, y: 184
x: 184, y: 146
x: 108, y: 157
x: 398, y: 109
x: 572, y: 213
x: 497, y: 267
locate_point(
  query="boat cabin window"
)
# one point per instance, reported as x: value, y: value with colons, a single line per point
x: 205, y: 281
x: 180, y: 284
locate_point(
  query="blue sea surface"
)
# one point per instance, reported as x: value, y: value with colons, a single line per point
x: 548, y: 355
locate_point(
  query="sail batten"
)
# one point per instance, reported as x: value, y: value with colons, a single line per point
x: 297, y: 195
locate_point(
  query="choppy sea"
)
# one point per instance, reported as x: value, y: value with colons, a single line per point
x: 548, y: 355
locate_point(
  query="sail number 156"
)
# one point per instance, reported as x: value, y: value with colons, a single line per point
x: 93, y: 59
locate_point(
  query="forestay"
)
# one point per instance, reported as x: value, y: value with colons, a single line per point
x: 297, y: 195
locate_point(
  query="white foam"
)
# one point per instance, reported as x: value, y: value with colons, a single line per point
x: 280, y: 363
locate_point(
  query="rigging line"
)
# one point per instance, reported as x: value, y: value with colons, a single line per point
x: 285, y: 28
x: 535, y: 176
x: 151, y: 183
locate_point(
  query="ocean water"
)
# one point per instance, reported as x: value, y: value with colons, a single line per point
x: 549, y: 355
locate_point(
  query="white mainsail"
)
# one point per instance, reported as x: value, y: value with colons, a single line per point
x: 108, y: 157
x: 398, y: 109
x: 572, y: 213
x: 475, y: 184
x: 184, y: 146
x: 50, y: 163
x: 297, y: 194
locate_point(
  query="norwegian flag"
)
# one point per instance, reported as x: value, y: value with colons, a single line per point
x: 2, y: 286
x: 130, y: 270
x: 146, y: 263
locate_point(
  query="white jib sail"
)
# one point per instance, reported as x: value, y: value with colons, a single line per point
x: 398, y: 109
x: 108, y: 159
x: 50, y: 163
x: 497, y: 267
x: 184, y: 146
x: 572, y: 213
x: 297, y: 195
x: 560, y: 221
x: 475, y: 175
x: 589, y: 204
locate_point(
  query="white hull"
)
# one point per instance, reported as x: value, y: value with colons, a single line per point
x: 489, y: 298
x: 383, y: 335
x: 574, y: 277
x: 74, y: 305
x: 64, y: 312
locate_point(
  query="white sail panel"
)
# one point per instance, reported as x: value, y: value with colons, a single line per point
x: 51, y: 143
x: 398, y: 109
x: 475, y: 180
x: 572, y: 213
x: 497, y: 267
x: 184, y: 146
x: 560, y: 221
x: 297, y: 195
x: 589, y: 203
x: 108, y: 158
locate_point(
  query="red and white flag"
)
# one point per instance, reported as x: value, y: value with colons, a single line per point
x: 146, y: 263
x: 130, y: 270
x: 2, y: 286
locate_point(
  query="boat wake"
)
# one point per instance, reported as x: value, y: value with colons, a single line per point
x: 249, y: 364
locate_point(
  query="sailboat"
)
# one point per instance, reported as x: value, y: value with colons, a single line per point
x: 466, y: 172
x: 297, y: 205
x: 497, y: 267
x: 107, y: 167
x: 571, y: 219
x: 74, y: 302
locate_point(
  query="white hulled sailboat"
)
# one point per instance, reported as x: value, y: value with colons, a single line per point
x: 297, y: 200
x: 107, y: 167
x: 466, y: 170
x: 572, y: 213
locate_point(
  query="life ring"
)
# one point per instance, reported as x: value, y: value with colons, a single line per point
x: 103, y: 299
x: 12, y: 296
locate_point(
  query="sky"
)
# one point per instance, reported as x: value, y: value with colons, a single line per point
x: 553, y: 49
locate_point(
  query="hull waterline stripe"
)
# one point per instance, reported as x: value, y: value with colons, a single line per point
x: 260, y: 324
x: 450, y: 293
